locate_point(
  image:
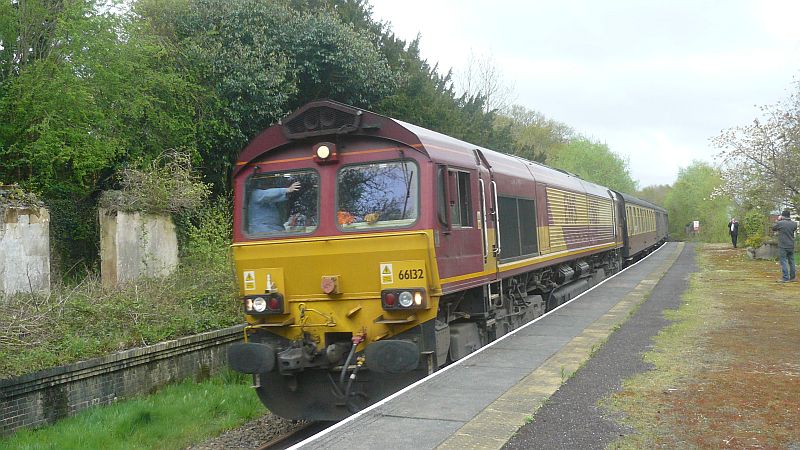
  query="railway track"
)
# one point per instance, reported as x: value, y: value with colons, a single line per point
x: 294, y: 436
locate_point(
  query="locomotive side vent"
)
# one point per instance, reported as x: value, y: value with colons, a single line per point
x: 321, y: 120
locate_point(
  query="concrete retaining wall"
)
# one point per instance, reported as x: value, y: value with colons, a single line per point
x: 134, y: 245
x: 43, y: 397
x: 24, y: 250
x: 768, y: 250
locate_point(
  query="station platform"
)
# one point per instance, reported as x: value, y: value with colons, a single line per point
x: 483, y: 399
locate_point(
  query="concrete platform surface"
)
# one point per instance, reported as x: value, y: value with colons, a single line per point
x: 483, y: 399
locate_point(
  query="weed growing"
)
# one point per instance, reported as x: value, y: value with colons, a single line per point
x: 529, y: 419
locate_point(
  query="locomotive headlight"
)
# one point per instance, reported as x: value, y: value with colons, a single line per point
x: 259, y: 304
x: 323, y: 151
x: 405, y: 299
x: 418, y: 298
x: 248, y: 304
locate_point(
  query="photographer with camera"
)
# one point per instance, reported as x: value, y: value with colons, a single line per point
x: 786, y: 227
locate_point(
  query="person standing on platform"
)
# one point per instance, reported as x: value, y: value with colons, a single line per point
x: 733, y: 229
x: 786, y: 228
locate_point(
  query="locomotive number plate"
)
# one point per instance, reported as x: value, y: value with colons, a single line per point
x: 403, y: 274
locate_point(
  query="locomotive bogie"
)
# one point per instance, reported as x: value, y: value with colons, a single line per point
x: 330, y: 392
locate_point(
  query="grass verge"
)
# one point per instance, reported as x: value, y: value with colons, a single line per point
x: 176, y: 417
x: 726, y: 371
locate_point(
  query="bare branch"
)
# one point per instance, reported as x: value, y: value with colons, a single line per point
x: 760, y: 161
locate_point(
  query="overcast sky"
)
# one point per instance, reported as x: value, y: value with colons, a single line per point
x: 655, y: 80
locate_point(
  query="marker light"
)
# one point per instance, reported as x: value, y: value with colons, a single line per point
x: 273, y: 303
x: 389, y: 299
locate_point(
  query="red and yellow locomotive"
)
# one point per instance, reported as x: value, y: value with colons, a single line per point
x: 370, y: 252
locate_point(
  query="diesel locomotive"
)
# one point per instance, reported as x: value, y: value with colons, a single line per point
x: 371, y: 252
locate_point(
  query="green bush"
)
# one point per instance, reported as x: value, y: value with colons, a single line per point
x: 206, y: 233
x: 74, y: 237
x: 13, y: 196
x: 168, y: 185
x: 755, y: 224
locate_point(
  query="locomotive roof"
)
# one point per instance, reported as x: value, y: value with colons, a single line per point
x: 348, y: 120
x: 637, y: 201
x: 452, y: 151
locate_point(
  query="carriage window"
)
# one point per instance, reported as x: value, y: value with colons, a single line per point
x: 282, y: 202
x: 639, y: 220
x: 640, y: 216
x: 441, y: 195
x: 377, y: 195
x: 460, y: 199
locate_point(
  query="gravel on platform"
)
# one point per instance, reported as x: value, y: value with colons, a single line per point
x: 571, y: 418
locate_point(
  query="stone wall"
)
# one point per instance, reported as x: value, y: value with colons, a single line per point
x: 24, y: 250
x: 134, y: 245
x: 43, y: 397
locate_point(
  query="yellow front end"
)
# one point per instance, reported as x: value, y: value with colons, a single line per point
x: 333, y: 284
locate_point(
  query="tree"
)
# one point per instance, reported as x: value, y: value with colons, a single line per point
x: 656, y: 194
x: 760, y: 161
x: 595, y: 162
x: 481, y: 78
x: 691, y: 199
x: 534, y: 136
x: 27, y: 32
x: 427, y: 98
x: 263, y: 59
x: 98, y: 96
x: 422, y: 95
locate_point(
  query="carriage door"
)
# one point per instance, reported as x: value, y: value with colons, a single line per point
x: 487, y: 216
x: 461, y: 251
